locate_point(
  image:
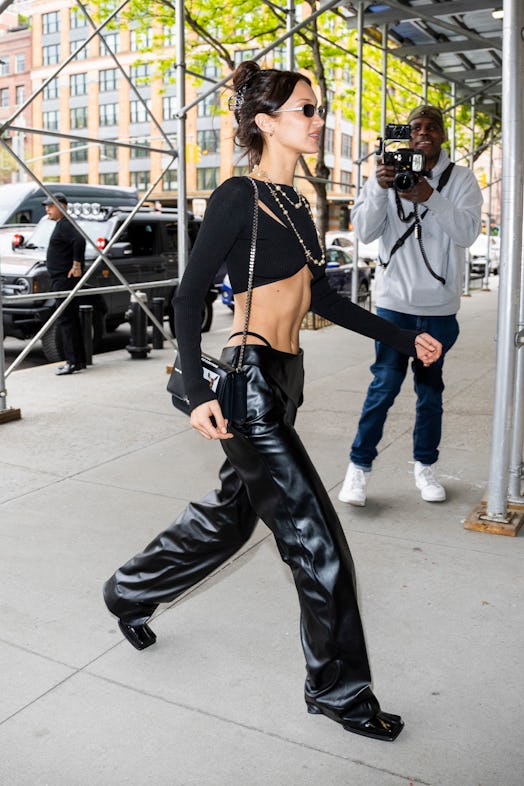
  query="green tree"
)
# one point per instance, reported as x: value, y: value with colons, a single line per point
x: 217, y: 30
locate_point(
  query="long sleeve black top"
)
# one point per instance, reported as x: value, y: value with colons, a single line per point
x: 225, y: 235
x: 65, y: 245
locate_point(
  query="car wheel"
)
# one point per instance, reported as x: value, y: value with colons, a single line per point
x: 52, y: 340
x: 363, y: 294
x: 52, y: 344
x: 205, y: 322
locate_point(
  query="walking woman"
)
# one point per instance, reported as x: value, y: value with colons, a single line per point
x: 268, y: 473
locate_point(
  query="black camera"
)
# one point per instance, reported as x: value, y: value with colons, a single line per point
x: 409, y: 164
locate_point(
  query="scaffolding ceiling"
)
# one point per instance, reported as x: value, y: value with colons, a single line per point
x: 456, y: 41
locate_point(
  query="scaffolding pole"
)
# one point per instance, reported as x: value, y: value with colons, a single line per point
x: 494, y: 515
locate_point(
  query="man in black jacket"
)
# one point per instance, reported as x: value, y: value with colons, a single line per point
x: 65, y: 263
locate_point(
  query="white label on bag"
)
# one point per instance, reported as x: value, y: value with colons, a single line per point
x: 211, y: 378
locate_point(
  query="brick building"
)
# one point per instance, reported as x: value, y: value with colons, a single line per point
x: 15, y: 89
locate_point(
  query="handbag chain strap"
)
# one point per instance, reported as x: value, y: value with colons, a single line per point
x: 251, y: 273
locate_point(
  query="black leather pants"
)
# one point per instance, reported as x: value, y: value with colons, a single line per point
x: 269, y: 475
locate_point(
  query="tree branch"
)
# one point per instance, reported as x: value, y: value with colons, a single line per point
x: 5, y: 5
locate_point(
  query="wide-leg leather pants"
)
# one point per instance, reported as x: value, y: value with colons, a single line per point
x: 267, y: 474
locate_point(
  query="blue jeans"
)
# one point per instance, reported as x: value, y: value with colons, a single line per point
x: 389, y: 371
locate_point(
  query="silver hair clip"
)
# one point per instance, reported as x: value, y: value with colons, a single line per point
x: 235, y: 102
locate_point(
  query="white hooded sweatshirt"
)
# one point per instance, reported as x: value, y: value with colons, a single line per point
x: 452, y: 223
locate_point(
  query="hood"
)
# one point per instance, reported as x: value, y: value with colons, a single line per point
x: 20, y: 263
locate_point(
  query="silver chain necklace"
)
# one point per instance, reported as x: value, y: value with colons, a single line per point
x: 274, y: 190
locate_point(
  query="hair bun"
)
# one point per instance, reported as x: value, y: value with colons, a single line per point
x: 244, y: 73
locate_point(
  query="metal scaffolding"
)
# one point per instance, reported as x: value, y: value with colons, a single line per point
x: 481, y: 66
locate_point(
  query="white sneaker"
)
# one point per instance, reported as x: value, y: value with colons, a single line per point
x: 430, y: 489
x: 353, y: 489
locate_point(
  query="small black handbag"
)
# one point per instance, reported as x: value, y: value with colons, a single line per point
x: 229, y: 383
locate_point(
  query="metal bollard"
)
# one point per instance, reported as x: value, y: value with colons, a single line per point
x: 137, y: 318
x: 158, y: 310
x: 86, y: 322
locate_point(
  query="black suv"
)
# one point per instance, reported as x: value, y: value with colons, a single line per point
x: 146, y: 251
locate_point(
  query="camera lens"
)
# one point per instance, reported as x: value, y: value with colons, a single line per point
x: 404, y: 181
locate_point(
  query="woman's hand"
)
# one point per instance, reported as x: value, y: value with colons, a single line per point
x: 428, y: 349
x: 208, y: 420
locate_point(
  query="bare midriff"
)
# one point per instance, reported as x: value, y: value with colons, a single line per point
x: 277, y: 310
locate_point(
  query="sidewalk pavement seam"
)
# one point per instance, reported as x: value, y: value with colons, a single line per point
x: 247, y: 727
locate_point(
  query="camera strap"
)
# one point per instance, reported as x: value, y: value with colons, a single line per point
x: 443, y: 179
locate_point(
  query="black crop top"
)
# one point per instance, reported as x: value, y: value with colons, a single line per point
x: 225, y: 236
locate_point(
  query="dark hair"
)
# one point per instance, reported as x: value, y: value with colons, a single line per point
x: 259, y: 90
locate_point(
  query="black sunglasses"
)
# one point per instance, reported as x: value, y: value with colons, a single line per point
x: 308, y: 109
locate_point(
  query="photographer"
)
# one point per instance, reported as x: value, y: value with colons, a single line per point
x: 423, y: 233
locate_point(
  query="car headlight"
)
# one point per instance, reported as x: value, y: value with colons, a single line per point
x: 23, y: 286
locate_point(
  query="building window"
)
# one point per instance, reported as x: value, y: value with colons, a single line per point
x: 209, y: 141
x: 51, y: 90
x: 169, y: 107
x: 211, y: 70
x: 78, y: 84
x: 141, y: 40
x: 346, y: 144
x: 108, y: 80
x: 140, y: 74
x: 20, y: 63
x: 76, y: 18
x: 19, y: 94
x: 4, y: 66
x: 139, y: 152
x: 170, y: 180
x: 140, y: 180
x: 207, y: 178
x: 78, y: 151
x: 329, y: 136
x: 170, y: 75
x: 78, y: 178
x: 244, y: 54
x: 50, y: 120
x: 50, y: 154
x: 108, y: 114
x: 81, y: 54
x: 50, y: 23
x: 209, y: 106
x: 169, y: 35
x: 240, y: 171
x: 279, y: 57
x: 108, y: 178
x: 347, y: 76
x: 113, y: 43
x: 108, y: 152
x: 4, y: 96
x: 50, y: 56
x: 78, y: 117
x: 137, y: 112
x: 345, y: 179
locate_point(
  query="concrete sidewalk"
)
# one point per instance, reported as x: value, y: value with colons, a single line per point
x: 101, y: 462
